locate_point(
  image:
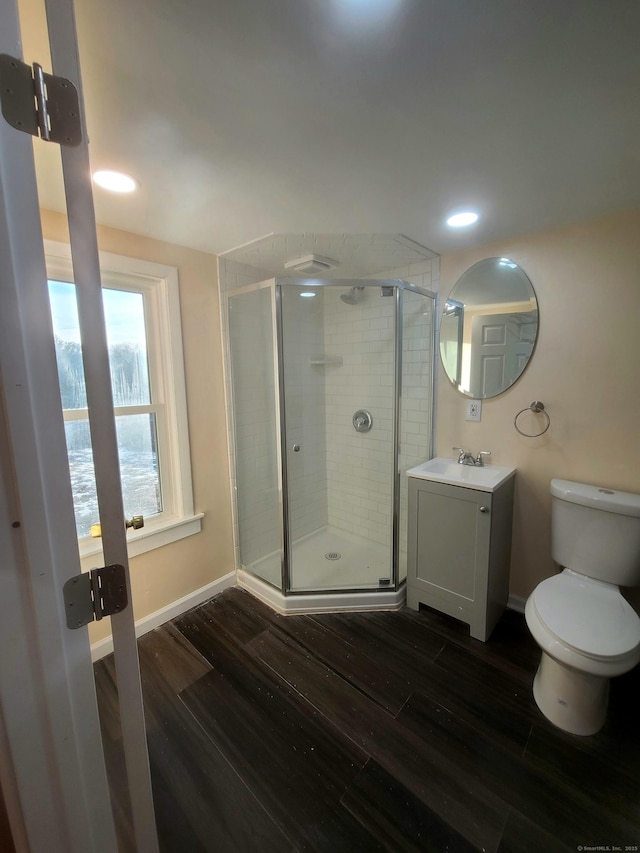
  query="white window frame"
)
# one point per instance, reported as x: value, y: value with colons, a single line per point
x: 159, y: 285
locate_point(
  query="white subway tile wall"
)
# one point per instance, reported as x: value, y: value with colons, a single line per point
x: 304, y: 416
x: 360, y: 465
x: 415, y: 401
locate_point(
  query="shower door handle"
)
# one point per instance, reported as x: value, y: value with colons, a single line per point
x: 296, y: 448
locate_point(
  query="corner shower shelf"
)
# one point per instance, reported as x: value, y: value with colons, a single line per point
x: 327, y: 360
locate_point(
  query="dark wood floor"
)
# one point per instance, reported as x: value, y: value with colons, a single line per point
x: 363, y: 732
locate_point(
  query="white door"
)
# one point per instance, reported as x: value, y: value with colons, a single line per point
x: 501, y: 345
x: 52, y: 767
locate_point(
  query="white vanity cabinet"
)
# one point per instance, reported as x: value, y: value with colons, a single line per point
x: 459, y: 542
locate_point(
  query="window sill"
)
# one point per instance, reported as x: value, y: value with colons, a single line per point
x: 153, y: 535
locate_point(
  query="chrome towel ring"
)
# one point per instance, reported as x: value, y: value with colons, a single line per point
x: 538, y: 408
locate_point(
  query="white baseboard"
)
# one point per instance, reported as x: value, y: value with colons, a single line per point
x: 104, y: 647
x: 516, y: 602
x: 365, y: 602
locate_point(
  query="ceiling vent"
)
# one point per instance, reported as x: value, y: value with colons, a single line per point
x: 311, y: 264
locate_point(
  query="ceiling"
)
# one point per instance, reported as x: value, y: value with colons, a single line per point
x: 241, y: 118
x: 347, y: 255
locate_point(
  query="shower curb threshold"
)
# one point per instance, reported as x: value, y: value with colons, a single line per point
x: 334, y: 602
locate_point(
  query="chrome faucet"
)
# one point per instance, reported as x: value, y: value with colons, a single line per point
x: 464, y: 457
x: 467, y: 458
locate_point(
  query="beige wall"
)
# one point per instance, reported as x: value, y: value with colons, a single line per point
x: 164, y: 575
x: 585, y: 369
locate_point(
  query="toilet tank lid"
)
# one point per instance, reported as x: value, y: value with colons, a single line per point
x: 599, y: 497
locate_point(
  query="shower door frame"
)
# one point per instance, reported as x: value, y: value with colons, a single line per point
x: 270, y: 285
x: 399, y: 286
x: 275, y: 286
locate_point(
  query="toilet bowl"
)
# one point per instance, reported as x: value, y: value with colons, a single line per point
x: 588, y: 634
x: 587, y: 631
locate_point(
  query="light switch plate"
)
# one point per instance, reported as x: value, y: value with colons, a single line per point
x: 474, y: 410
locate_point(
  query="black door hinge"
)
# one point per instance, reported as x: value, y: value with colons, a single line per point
x: 39, y: 103
x: 91, y: 595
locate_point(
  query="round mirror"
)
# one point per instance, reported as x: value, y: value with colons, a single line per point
x: 489, y: 328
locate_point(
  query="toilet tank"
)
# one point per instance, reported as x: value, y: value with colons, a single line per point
x: 596, y: 531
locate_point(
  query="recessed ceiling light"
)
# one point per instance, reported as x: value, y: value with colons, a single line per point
x: 307, y: 294
x: 116, y: 182
x: 459, y: 220
x: 366, y: 13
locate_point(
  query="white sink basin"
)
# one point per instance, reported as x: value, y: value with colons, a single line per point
x: 486, y: 478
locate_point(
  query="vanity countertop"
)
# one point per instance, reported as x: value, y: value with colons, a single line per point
x: 485, y: 478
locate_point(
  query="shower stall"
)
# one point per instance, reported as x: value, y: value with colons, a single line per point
x: 331, y: 388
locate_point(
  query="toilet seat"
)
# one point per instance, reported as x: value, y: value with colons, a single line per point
x: 588, y: 616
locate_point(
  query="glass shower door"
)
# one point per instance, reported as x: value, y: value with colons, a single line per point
x: 338, y: 359
x: 256, y: 433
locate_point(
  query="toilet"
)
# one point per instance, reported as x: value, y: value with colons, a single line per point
x: 587, y: 631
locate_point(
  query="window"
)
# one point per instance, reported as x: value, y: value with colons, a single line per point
x: 147, y: 379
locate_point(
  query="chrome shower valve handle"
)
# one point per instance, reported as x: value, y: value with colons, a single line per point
x: 362, y: 420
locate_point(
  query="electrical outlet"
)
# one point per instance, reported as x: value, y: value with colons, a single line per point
x: 474, y: 410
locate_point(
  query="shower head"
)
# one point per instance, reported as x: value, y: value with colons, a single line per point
x: 353, y: 295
